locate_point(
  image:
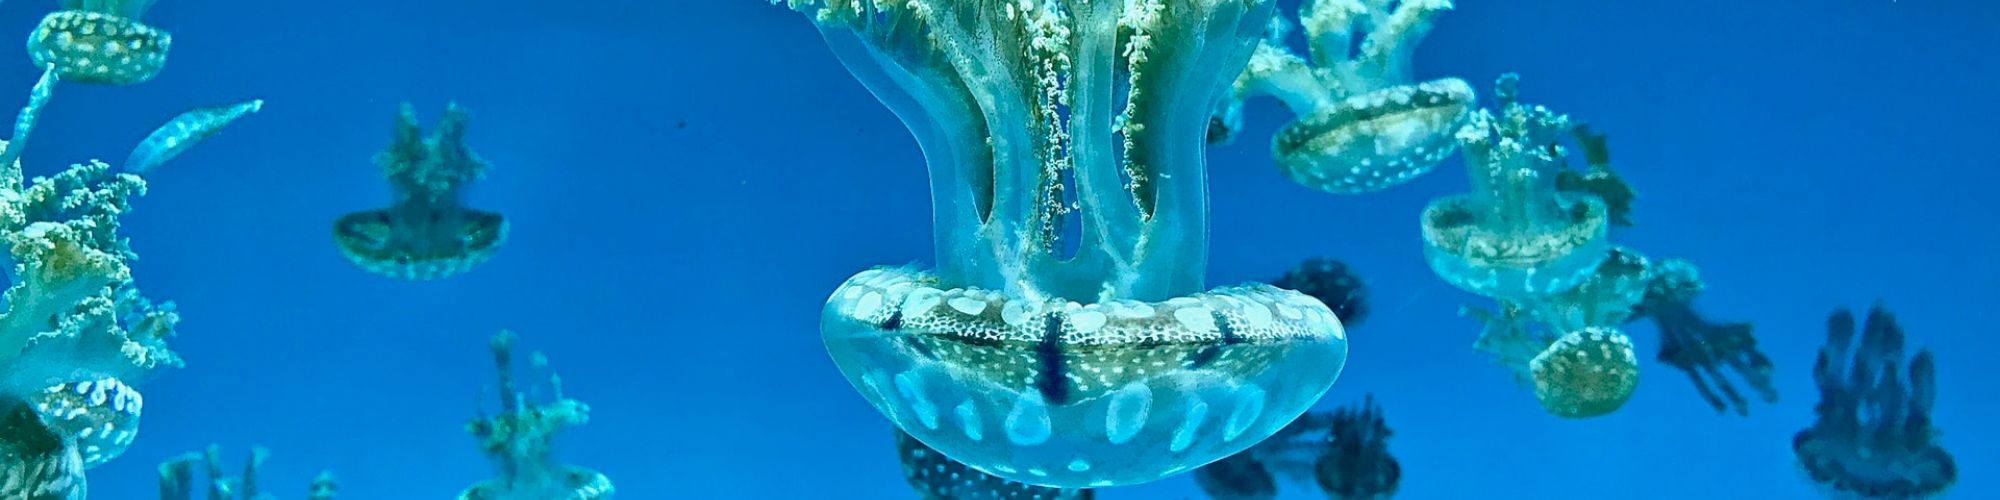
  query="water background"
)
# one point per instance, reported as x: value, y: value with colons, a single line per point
x: 688, y: 179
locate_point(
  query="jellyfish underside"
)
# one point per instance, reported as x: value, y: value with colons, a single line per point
x: 1374, y: 141
x: 937, y: 477
x: 100, y: 43
x: 1874, y: 437
x: 36, y: 461
x: 427, y: 233
x: 1065, y: 339
x: 1516, y: 235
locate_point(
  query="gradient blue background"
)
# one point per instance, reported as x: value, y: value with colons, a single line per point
x: 1807, y: 154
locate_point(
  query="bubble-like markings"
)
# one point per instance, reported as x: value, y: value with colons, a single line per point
x: 1127, y: 412
x: 1028, y: 424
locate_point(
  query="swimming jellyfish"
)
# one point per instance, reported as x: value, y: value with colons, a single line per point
x: 1517, y: 235
x: 177, y: 478
x: 937, y: 477
x: 519, y: 439
x: 1569, y: 347
x: 1344, y: 453
x: 1874, y: 437
x: 1065, y: 339
x: 1704, y: 349
x: 1364, y: 124
x: 1334, y: 284
x: 427, y: 233
x: 100, y: 42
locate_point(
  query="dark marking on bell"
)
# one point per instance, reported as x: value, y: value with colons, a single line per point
x: 1053, y: 381
x: 1208, y: 353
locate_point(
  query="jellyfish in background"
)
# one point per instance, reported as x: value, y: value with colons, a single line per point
x: 1344, y: 453
x: 1874, y: 437
x: 1065, y: 339
x: 1704, y: 349
x: 937, y: 477
x: 100, y: 42
x: 519, y: 439
x: 1334, y: 284
x: 1516, y: 236
x: 1363, y: 123
x: 428, y: 233
x: 177, y: 478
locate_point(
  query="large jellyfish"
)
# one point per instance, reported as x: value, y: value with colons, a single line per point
x: 1065, y: 339
x: 1344, y: 453
x: 1874, y: 437
x: 1516, y: 235
x: 1364, y: 124
x: 100, y: 42
x: 519, y: 439
x: 177, y: 478
x: 937, y: 477
x: 1334, y: 284
x: 427, y: 233
x: 1707, y: 351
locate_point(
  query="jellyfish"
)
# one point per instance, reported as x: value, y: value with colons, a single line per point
x: 1334, y: 284
x: 37, y: 462
x: 1874, y: 437
x: 1516, y: 236
x: 1597, y: 178
x: 1707, y: 351
x: 1065, y: 339
x: 1585, y: 372
x: 1344, y: 453
x: 184, y: 132
x: 518, y: 439
x: 1364, y: 124
x: 937, y: 477
x: 177, y: 478
x: 100, y: 42
x: 427, y: 233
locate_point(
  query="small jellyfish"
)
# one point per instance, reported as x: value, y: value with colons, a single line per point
x: 1702, y: 348
x: 1874, y: 437
x: 1516, y: 236
x: 1364, y: 124
x: 427, y: 233
x: 100, y: 42
x: 184, y: 132
x: 519, y: 440
x: 937, y: 477
x: 1585, y: 373
x: 36, y: 461
x: 1334, y: 284
x: 1345, y: 454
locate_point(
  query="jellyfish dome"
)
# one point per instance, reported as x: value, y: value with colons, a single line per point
x: 1081, y: 357
x: 427, y: 233
x: 1516, y: 236
x: 100, y: 42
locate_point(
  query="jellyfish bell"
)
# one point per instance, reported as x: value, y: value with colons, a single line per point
x: 37, y: 462
x: 1239, y: 477
x: 102, y: 414
x: 576, y: 483
x: 1585, y: 373
x: 417, y: 246
x: 103, y: 48
x: 1057, y: 393
x: 1375, y: 140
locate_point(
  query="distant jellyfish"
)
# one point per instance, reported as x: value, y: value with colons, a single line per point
x: 184, y: 132
x: 519, y: 439
x: 101, y: 413
x: 1874, y: 438
x: 100, y: 42
x: 1333, y: 283
x: 1707, y: 351
x: 1516, y: 235
x: 37, y: 462
x: 1344, y: 454
x: 937, y: 477
x: 1358, y: 465
x: 427, y: 233
x: 1586, y: 373
x: 1239, y: 477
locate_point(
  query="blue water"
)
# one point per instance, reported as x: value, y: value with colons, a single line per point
x: 688, y: 179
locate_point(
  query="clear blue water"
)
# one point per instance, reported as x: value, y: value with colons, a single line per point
x: 688, y: 179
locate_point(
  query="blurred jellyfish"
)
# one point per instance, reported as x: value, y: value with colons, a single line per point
x: 1516, y: 236
x: 519, y: 439
x: 1579, y: 373
x: 1364, y: 124
x: 427, y: 233
x: 937, y: 477
x: 1334, y: 284
x: 1344, y: 453
x: 1703, y: 349
x: 100, y: 42
x: 36, y: 461
x: 1874, y: 438
x: 177, y: 478
x: 1597, y: 178
x: 1068, y: 338
x: 184, y: 132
